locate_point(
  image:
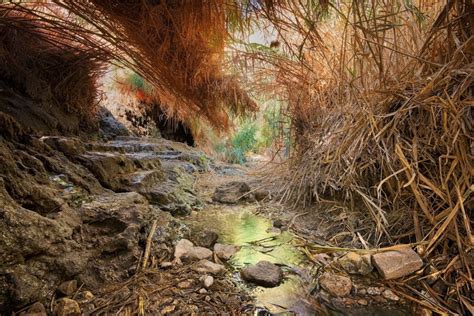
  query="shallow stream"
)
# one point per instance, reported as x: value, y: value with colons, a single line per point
x: 237, y: 225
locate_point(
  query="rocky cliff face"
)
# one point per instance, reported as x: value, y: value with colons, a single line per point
x: 72, y: 209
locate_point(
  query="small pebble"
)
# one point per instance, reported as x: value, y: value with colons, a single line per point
x: 374, y: 290
x: 388, y: 294
x: 363, y: 302
x: 207, y: 281
x: 185, y: 284
x: 166, y: 265
x: 202, y: 291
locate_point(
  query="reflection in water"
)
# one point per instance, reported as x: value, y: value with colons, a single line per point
x: 238, y: 226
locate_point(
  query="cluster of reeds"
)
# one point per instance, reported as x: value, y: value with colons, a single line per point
x: 177, y: 46
x: 381, y: 100
x: 54, y: 70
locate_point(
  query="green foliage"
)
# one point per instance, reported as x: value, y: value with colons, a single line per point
x: 137, y: 82
x: 240, y: 144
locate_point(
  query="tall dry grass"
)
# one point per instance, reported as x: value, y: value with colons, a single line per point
x: 55, y: 71
x: 380, y: 94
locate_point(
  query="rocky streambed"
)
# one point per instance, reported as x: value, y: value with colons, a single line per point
x: 122, y: 226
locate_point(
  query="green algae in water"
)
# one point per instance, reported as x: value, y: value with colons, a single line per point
x: 238, y: 226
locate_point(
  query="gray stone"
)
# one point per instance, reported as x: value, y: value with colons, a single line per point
x: 206, y: 266
x: 233, y: 192
x: 182, y: 249
x: 207, y: 281
x: 335, y: 285
x: 206, y: 238
x: 225, y: 252
x: 185, y: 249
x: 200, y: 253
x: 397, y: 263
x: 264, y: 273
x: 67, y: 307
x: 68, y: 288
x: 354, y: 263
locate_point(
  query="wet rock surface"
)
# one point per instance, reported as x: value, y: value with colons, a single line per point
x: 264, y: 273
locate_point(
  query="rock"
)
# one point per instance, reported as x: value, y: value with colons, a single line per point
x: 205, y: 238
x: 37, y: 309
x: 372, y: 290
x: 264, y: 273
x: 225, y: 252
x: 84, y: 296
x: 68, y: 288
x: 67, y: 307
x: 185, y: 284
x: 206, y: 266
x: 354, y: 263
x: 182, y: 249
x: 200, y: 253
x: 202, y: 291
x: 389, y: 295
x: 278, y: 223
x: 335, y: 285
x: 207, y: 281
x: 70, y: 146
x: 233, y: 192
x: 185, y: 249
x: 109, y: 168
x: 166, y: 265
x: 261, y: 194
x: 396, y: 264
x: 363, y: 302
x: 173, y: 197
x: 109, y: 125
